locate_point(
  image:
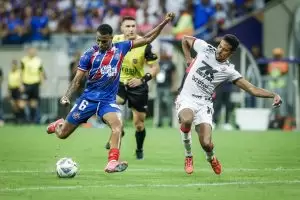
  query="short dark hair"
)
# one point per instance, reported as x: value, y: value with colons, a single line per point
x: 127, y: 18
x: 232, y: 40
x: 105, y: 29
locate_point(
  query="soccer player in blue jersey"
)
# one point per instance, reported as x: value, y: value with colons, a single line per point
x: 102, y: 64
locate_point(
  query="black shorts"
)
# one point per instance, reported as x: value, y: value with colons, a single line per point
x: 15, y: 93
x: 137, y: 97
x: 32, y: 91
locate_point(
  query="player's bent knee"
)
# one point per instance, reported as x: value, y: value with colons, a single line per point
x: 186, y: 117
x: 139, y: 126
x: 116, y: 130
x: 186, y: 120
x: 138, y: 120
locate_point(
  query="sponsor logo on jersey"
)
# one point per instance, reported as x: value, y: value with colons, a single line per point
x: 108, y: 70
x: 200, y: 83
x: 206, y: 71
x: 129, y: 70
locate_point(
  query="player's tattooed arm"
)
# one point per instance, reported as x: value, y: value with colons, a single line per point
x: 74, y: 85
x: 258, y: 92
x: 187, y: 43
x: 150, y: 36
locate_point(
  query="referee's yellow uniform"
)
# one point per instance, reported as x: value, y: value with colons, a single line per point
x: 32, y: 70
x: 14, y: 83
x: 133, y: 67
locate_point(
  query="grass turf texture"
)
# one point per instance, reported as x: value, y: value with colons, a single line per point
x: 256, y: 165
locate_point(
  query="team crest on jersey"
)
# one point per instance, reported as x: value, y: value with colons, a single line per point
x: 76, y: 115
x: 223, y: 68
x: 135, y: 61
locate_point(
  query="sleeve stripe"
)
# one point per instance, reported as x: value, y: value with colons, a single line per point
x: 131, y: 44
x: 194, y: 42
x: 84, y: 70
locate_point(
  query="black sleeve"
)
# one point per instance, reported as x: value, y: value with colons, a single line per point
x: 149, y: 55
x: 71, y: 66
x: 41, y: 68
x: 1, y: 73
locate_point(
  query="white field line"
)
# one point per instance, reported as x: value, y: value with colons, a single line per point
x: 279, y: 169
x: 43, y: 188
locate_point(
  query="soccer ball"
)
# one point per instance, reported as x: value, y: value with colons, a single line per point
x: 66, y: 168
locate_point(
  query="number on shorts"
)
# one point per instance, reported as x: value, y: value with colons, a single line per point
x: 83, y: 105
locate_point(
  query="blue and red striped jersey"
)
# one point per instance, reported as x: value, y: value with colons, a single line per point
x: 103, y: 71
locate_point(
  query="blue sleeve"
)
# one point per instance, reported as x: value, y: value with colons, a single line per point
x: 84, y: 62
x: 45, y: 23
x: 126, y: 46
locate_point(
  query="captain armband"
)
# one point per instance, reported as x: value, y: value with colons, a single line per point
x: 147, y: 77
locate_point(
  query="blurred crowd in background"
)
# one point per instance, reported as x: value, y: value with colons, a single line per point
x: 29, y: 21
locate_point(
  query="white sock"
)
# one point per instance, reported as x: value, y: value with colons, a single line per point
x: 187, y: 142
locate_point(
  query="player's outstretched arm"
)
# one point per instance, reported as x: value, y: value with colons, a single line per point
x: 187, y: 44
x: 150, y: 36
x: 74, y: 85
x: 258, y: 92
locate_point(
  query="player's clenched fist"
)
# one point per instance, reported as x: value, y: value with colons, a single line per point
x: 65, y: 101
x: 170, y: 16
x: 277, y: 101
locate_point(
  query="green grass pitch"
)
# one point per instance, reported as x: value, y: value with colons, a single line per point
x: 256, y: 166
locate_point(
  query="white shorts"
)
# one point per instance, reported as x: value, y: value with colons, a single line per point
x: 203, y: 110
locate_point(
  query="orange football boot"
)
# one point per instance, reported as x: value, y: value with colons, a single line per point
x: 188, y: 164
x: 215, y: 165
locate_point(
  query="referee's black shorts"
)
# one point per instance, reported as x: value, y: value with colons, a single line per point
x: 32, y: 91
x: 137, y: 97
x: 15, y: 93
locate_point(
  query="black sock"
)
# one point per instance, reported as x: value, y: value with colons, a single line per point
x: 140, y: 137
x: 17, y: 116
x: 33, y: 114
x: 21, y: 116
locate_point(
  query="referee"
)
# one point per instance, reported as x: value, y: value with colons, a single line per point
x: 32, y: 77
